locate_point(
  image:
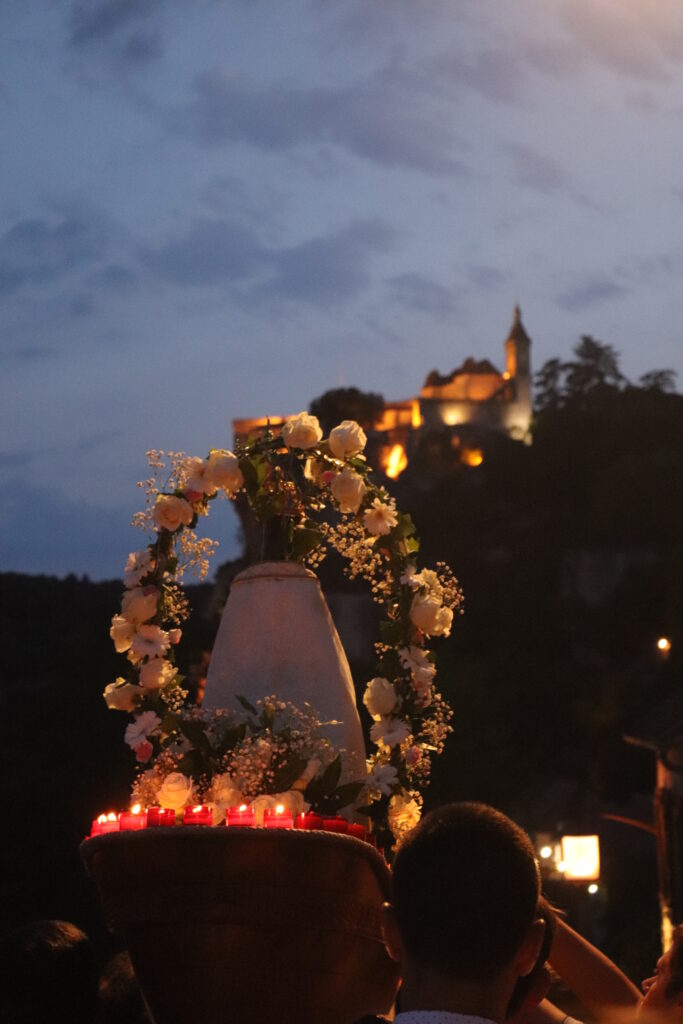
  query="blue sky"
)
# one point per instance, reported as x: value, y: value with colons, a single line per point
x: 225, y: 207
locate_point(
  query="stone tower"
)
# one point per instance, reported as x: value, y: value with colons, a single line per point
x: 518, y: 370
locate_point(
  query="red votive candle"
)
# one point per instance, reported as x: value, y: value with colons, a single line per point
x: 200, y: 815
x: 160, y: 816
x: 337, y: 824
x: 241, y: 816
x: 278, y: 817
x: 357, y: 830
x: 133, y: 820
x: 308, y: 821
x: 108, y: 823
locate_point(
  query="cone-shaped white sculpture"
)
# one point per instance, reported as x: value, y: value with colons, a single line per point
x: 277, y: 637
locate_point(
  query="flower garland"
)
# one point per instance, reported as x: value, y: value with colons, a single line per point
x: 309, y: 494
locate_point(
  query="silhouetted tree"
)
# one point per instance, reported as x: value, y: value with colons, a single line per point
x: 365, y: 407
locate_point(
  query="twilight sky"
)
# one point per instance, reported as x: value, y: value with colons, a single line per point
x: 220, y: 208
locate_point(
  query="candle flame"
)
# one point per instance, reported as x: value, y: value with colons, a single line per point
x: 243, y: 807
x: 102, y: 818
x: 135, y: 809
x: 197, y: 809
x: 111, y: 816
x: 280, y: 809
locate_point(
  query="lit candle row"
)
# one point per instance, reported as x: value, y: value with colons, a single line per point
x: 279, y: 817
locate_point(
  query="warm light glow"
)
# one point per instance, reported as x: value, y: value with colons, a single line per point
x: 396, y: 462
x: 111, y: 816
x: 197, y: 809
x: 592, y: 888
x: 280, y: 809
x: 135, y: 809
x: 102, y: 818
x: 417, y: 415
x: 546, y: 851
x: 561, y: 865
x: 664, y: 644
x: 506, y: 375
x: 243, y: 807
x: 472, y: 456
x: 580, y: 857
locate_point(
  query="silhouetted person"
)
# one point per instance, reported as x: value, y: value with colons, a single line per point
x: 48, y: 974
x: 121, y: 1001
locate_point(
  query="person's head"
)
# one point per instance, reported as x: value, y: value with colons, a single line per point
x: 465, y: 892
x: 48, y: 969
x: 663, y: 992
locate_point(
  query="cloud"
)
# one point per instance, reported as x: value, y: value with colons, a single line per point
x: 382, y: 118
x: 590, y: 290
x: 38, y: 251
x: 486, y: 277
x: 417, y: 292
x: 91, y: 21
x: 533, y: 170
x: 28, y: 354
x: 317, y: 271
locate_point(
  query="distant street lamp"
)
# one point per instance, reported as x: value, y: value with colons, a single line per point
x: 664, y: 646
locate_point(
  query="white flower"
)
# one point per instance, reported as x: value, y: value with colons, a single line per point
x: 380, y: 697
x: 176, y: 791
x: 415, y: 659
x: 430, y: 616
x: 224, y: 470
x: 122, y: 696
x: 198, y: 477
x: 347, y: 439
x: 302, y: 431
x: 389, y: 732
x: 348, y: 490
x: 122, y: 632
x: 144, y: 725
x: 428, y: 581
x: 310, y: 771
x: 140, y: 604
x: 380, y: 517
x: 149, y: 642
x: 156, y: 673
x: 293, y: 800
x: 404, y: 813
x: 138, y: 565
x: 223, y: 794
x: 170, y: 512
x: 408, y: 577
x: 383, y: 778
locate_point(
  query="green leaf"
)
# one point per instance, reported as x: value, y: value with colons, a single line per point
x: 285, y: 776
x: 331, y: 775
x: 190, y: 764
x: 194, y: 731
x: 405, y: 526
x: 347, y: 793
x: 305, y: 539
x: 246, y: 705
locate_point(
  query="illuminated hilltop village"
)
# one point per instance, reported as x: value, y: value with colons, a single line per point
x: 473, y: 402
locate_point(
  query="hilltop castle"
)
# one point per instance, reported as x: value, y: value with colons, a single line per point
x: 471, y: 402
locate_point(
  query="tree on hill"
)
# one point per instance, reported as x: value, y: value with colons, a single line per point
x: 365, y: 407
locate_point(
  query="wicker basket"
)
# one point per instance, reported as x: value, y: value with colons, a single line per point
x: 248, y: 925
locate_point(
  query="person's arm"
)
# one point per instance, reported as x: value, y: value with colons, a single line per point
x: 591, y: 975
x: 544, y: 1013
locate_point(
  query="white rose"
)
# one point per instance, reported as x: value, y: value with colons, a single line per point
x: 389, y: 732
x: 429, y: 581
x: 310, y: 771
x: 380, y: 697
x: 380, y: 518
x: 122, y: 696
x: 156, y: 674
x: 430, y: 616
x: 293, y: 800
x: 138, y: 565
x: 404, y: 813
x: 224, y: 470
x: 383, y: 778
x: 223, y: 794
x: 144, y: 725
x: 170, y: 512
x: 149, y: 642
x: 198, y: 476
x: 348, y: 490
x: 122, y: 632
x: 347, y: 439
x: 418, y: 664
x: 302, y: 431
x: 140, y: 604
x: 176, y: 791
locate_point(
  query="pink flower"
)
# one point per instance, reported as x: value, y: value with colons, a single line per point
x: 144, y: 751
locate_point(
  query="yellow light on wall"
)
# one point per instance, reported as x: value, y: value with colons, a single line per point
x: 416, y: 415
x: 397, y: 461
x: 580, y: 857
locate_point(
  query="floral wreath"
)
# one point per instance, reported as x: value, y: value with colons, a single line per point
x: 309, y: 494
